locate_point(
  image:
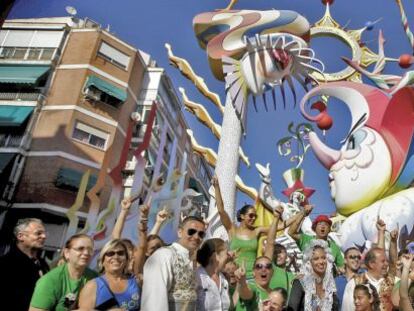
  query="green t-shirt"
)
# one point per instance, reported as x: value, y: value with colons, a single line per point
x: 252, y: 304
x: 281, y: 278
x: 335, y: 250
x: 57, y: 291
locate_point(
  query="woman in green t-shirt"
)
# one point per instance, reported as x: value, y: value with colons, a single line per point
x: 58, y: 289
x: 244, y: 238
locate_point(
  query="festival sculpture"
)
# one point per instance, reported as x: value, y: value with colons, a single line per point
x: 371, y: 175
x: 252, y: 51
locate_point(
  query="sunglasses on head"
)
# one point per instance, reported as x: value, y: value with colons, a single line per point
x: 191, y: 232
x: 355, y: 257
x: 112, y: 253
x: 260, y: 266
x: 251, y: 215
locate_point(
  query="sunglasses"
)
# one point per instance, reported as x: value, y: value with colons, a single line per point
x: 355, y: 257
x: 191, y: 232
x: 81, y: 249
x: 260, y: 266
x: 251, y: 216
x: 112, y: 253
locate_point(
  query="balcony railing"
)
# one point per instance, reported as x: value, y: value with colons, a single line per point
x: 19, y: 96
x: 10, y: 140
x: 27, y: 53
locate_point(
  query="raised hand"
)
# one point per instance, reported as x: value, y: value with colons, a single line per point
x: 308, y: 209
x: 381, y: 226
x: 162, y: 215
x: 126, y: 204
x: 144, y: 211
x: 394, y: 235
x: 240, y: 273
x: 278, y: 211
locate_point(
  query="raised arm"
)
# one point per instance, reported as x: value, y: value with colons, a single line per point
x: 405, y: 303
x: 140, y: 250
x: 245, y: 292
x: 286, y: 223
x: 162, y: 216
x: 381, y: 227
x: 224, y: 217
x: 393, y: 251
x: 120, y: 221
x: 270, y: 240
x: 294, y: 227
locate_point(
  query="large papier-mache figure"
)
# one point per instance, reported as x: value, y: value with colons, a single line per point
x: 371, y: 175
x: 253, y: 52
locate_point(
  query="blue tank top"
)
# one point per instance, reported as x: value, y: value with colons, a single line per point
x: 130, y: 299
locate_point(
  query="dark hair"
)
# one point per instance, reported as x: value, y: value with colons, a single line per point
x: 278, y: 249
x: 283, y: 292
x: 243, y: 211
x: 352, y: 248
x: 155, y: 237
x: 370, y: 291
x: 371, y: 255
x: 261, y: 257
x: 208, y: 248
x: 190, y: 218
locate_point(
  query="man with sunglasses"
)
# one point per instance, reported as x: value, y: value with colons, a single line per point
x: 169, y: 273
x: 353, y: 262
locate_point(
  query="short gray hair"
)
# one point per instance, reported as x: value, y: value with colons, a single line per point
x: 22, y: 224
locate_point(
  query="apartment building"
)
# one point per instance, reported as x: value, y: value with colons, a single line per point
x: 67, y: 91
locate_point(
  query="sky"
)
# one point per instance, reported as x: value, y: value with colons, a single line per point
x: 148, y: 25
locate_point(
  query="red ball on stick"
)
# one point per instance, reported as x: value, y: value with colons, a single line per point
x: 405, y: 60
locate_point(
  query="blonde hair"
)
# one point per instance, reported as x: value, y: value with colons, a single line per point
x: 110, y: 245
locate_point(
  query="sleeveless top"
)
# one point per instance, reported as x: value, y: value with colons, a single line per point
x: 183, y: 290
x: 246, y: 250
x: 128, y: 299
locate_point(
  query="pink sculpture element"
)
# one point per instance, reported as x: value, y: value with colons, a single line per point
x: 371, y: 174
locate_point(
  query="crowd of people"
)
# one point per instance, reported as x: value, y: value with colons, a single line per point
x: 195, y: 273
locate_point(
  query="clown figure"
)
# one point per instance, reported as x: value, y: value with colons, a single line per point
x: 371, y: 175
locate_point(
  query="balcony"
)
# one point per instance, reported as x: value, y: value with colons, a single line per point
x: 27, y: 53
x: 10, y: 140
x: 20, y: 96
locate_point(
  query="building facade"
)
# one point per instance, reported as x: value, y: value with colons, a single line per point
x: 67, y: 91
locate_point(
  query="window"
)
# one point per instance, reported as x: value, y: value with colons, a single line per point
x: 89, y: 135
x: 31, y: 38
x: 97, y: 95
x: 29, y: 44
x: 113, y: 55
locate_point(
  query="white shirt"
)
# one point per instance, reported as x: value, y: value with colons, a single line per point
x: 158, y: 277
x: 348, y: 299
x: 209, y: 296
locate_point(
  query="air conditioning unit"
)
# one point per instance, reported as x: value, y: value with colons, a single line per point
x: 93, y: 94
